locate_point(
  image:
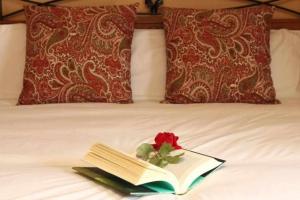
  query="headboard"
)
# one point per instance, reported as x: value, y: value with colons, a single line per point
x: 153, y: 20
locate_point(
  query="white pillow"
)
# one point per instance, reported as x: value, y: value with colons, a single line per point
x: 148, y: 62
x: 12, y: 59
x: 148, y: 65
x: 285, y: 65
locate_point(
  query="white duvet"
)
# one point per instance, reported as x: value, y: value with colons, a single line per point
x: 40, y: 144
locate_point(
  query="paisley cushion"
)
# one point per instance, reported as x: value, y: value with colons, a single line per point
x: 78, y: 54
x: 218, y: 56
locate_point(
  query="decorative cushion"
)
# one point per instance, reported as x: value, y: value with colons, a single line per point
x: 218, y: 56
x: 78, y: 54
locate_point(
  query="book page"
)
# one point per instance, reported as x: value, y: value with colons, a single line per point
x: 191, y: 166
x: 130, y: 168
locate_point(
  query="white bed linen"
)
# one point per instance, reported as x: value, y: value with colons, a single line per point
x: 261, y: 143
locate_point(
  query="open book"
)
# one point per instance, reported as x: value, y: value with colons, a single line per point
x: 127, y: 173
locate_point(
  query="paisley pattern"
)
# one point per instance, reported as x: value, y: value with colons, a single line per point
x: 78, y: 54
x: 218, y: 56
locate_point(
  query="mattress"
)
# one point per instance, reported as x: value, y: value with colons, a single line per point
x: 261, y: 143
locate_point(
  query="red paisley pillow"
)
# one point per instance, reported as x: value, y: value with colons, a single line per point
x: 218, y: 56
x: 78, y: 54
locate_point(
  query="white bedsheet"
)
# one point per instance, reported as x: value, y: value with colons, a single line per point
x: 261, y: 143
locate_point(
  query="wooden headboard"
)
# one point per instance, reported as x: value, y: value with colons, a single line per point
x: 145, y: 21
x: 154, y: 20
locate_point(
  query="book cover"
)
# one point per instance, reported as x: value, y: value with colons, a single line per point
x: 130, y: 175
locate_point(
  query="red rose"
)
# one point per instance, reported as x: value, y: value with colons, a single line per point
x: 166, y: 138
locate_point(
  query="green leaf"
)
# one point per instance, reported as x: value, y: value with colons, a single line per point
x: 158, y: 161
x: 155, y: 160
x: 165, y: 149
x: 173, y: 159
x: 163, y: 163
x: 144, y: 150
x: 178, y: 152
x: 179, y: 155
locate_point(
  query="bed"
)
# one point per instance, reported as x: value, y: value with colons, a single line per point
x: 39, y: 144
